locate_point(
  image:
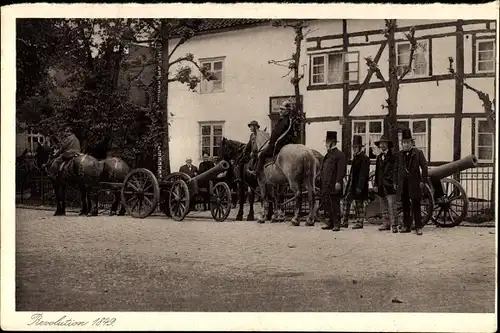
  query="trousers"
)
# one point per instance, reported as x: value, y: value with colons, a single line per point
x: 411, y: 208
x: 266, y: 153
x: 332, y: 208
x: 388, y: 208
x: 359, y: 209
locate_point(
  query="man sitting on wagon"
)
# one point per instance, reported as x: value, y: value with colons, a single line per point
x: 280, y: 136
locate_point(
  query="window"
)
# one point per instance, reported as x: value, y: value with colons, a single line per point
x: 335, y: 68
x: 216, y: 66
x: 485, y: 56
x: 370, y: 131
x: 420, y: 63
x: 33, y: 138
x: 484, y: 141
x: 418, y: 129
x: 211, y: 138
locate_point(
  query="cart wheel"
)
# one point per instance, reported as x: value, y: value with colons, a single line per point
x: 426, y: 207
x: 220, y: 202
x: 179, y: 200
x: 140, y: 193
x: 166, y: 185
x: 452, y: 210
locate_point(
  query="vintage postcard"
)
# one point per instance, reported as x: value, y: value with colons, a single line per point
x: 298, y: 167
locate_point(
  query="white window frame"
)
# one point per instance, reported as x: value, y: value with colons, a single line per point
x: 206, y: 87
x: 212, y: 124
x: 325, y: 67
x: 477, y: 146
x: 401, y: 67
x: 479, y: 41
x: 32, y: 138
x: 367, y: 134
x: 410, y: 126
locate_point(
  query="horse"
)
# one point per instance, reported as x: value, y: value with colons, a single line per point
x: 86, y: 173
x: 295, y: 165
x: 234, y: 150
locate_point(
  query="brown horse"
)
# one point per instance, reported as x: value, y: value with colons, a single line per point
x: 296, y: 165
x: 86, y: 173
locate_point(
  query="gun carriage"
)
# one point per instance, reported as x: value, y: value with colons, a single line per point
x: 141, y: 192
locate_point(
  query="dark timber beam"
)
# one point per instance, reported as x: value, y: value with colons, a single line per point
x: 459, y: 92
x: 346, y: 124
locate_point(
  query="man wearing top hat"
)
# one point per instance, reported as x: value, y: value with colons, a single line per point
x: 333, y: 170
x: 385, y: 184
x: 411, y: 174
x: 357, y: 184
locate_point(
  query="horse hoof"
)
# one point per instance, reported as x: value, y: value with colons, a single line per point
x: 261, y: 221
x: 250, y: 218
x: 112, y: 213
x: 295, y: 222
x: 239, y: 218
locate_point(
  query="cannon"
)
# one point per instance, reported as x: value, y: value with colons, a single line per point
x: 184, y: 189
x: 444, y: 200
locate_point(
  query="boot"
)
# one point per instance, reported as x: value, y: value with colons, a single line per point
x: 405, y: 230
x: 384, y: 227
x: 328, y: 226
x: 418, y: 231
x: 336, y: 228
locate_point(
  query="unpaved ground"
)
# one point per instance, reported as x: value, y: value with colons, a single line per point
x: 124, y: 264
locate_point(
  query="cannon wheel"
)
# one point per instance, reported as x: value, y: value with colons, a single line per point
x: 426, y: 207
x: 165, y: 189
x: 179, y: 200
x: 452, y: 211
x: 220, y: 201
x: 140, y: 193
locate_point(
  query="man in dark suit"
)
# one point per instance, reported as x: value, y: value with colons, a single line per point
x: 411, y: 174
x: 333, y: 170
x: 280, y: 137
x: 70, y: 147
x: 189, y: 168
x: 357, y: 184
x: 385, y: 184
x: 204, y: 185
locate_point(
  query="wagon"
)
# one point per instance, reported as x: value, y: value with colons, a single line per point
x: 141, y: 193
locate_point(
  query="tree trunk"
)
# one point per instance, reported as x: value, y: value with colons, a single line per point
x: 164, y: 106
x: 299, y: 36
x: 392, y: 101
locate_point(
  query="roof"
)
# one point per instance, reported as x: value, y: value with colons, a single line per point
x: 215, y: 25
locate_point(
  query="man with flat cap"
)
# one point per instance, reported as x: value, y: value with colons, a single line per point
x: 357, y: 184
x: 411, y: 176
x: 385, y: 184
x: 254, y: 126
x: 333, y: 170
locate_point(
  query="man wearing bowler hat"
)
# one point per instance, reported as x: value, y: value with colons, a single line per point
x: 411, y: 174
x: 254, y: 126
x: 385, y: 184
x: 333, y: 170
x: 357, y: 184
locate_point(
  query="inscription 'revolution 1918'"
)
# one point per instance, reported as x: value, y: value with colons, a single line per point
x: 37, y: 319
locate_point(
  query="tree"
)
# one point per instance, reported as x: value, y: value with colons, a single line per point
x: 293, y: 64
x: 396, y: 75
x: 160, y: 33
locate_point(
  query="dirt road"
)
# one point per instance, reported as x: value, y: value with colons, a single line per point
x: 123, y: 264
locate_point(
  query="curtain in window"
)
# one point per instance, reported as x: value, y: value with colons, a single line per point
x: 335, y: 70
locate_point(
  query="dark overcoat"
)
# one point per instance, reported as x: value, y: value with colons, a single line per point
x: 358, y: 177
x: 415, y: 172
x: 384, y: 174
x: 192, y: 173
x: 70, y: 145
x: 279, y: 129
x: 333, y: 170
x: 205, y: 166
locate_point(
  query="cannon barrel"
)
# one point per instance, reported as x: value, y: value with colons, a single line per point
x: 211, y: 173
x: 451, y: 168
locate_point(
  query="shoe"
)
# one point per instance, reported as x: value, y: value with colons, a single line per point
x: 419, y: 232
x: 344, y: 224
x: 384, y: 228
x: 327, y: 227
x: 405, y: 230
x: 358, y: 226
x: 394, y: 230
x: 336, y: 228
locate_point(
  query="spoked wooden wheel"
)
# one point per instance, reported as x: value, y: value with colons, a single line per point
x: 451, y: 210
x: 426, y: 207
x: 140, y: 193
x: 220, y: 201
x: 179, y: 200
x: 166, y: 185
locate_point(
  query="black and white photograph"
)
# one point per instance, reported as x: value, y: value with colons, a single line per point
x: 247, y: 162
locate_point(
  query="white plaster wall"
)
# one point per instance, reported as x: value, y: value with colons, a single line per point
x: 442, y: 139
x: 466, y: 137
x: 316, y: 134
x: 472, y: 103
